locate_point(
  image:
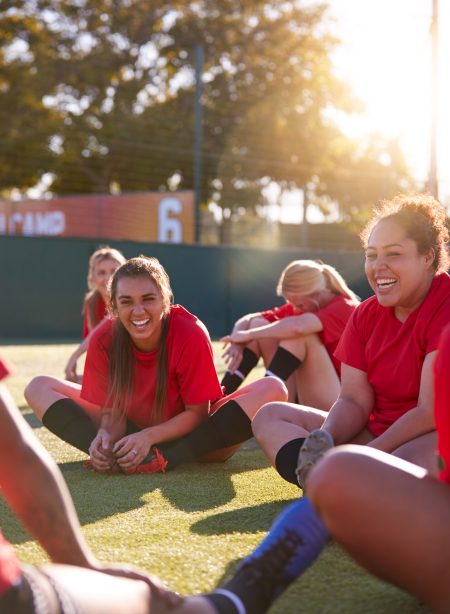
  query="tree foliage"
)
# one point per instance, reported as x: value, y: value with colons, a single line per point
x: 101, y: 93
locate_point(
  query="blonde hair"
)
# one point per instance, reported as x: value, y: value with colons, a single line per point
x: 104, y: 252
x: 121, y: 364
x: 308, y: 276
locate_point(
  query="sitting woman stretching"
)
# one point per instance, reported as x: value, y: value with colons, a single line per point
x: 386, y: 351
x: 298, y: 339
x: 149, y: 379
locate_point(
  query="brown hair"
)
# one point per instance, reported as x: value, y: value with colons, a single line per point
x: 308, y: 276
x: 423, y: 219
x: 121, y: 373
x: 102, y: 253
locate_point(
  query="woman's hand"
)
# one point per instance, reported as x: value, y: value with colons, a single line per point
x: 131, y: 450
x: 101, y: 453
x: 70, y: 369
x: 232, y: 355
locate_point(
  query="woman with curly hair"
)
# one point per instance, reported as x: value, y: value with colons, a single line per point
x: 386, y: 350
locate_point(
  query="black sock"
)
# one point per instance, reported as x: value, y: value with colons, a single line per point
x: 228, y: 426
x: 70, y: 423
x: 224, y: 603
x: 283, y: 364
x: 287, y: 459
x: 232, y: 381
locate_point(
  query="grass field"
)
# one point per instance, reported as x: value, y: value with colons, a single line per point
x: 191, y: 527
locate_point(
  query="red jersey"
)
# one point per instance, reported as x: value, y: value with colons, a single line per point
x: 392, y: 353
x: 442, y: 404
x: 10, y: 572
x: 192, y: 378
x: 5, y: 368
x: 333, y: 317
x: 100, y: 311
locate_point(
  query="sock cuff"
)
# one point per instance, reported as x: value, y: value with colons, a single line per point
x: 237, y: 603
x: 286, y: 460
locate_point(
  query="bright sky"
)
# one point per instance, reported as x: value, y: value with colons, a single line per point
x: 386, y: 56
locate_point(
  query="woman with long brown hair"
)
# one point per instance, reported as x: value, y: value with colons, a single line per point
x: 149, y: 379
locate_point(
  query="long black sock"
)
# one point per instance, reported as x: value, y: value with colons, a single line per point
x: 228, y: 426
x: 287, y: 459
x: 70, y: 423
x: 283, y: 364
x: 232, y: 381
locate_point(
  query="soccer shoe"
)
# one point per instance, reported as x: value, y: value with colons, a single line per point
x: 295, y: 540
x: 312, y: 450
x: 156, y: 464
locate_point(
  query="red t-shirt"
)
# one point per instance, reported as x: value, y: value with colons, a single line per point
x: 392, y: 353
x: 10, y: 572
x: 442, y: 404
x: 100, y: 311
x: 333, y: 317
x: 192, y: 378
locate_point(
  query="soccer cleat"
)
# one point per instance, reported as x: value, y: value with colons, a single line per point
x: 314, y: 447
x: 156, y: 464
x: 293, y: 543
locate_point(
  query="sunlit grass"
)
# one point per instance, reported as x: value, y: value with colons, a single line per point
x: 191, y: 527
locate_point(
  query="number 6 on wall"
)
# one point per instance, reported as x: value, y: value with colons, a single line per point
x: 170, y: 229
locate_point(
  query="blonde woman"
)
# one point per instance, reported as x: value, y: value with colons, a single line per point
x: 297, y: 339
x: 102, y: 265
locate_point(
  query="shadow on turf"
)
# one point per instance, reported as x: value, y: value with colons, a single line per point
x: 244, y: 520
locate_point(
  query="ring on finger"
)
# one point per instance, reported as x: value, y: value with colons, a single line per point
x: 134, y: 452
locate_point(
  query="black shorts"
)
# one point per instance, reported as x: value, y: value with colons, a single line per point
x: 37, y: 593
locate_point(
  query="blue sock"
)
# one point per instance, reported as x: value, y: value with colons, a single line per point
x: 295, y: 540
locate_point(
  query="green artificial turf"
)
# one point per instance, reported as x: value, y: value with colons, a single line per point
x: 192, y: 526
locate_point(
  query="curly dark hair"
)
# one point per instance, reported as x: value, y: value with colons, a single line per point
x: 424, y: 220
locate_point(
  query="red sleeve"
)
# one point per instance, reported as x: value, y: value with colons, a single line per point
x: 442, y: 404
x: 334, y: 317
x: 95, y: 378
x: 351, y: 347
x: 279, y: 313
x: 5, y: 368
x: 195, y: 368
x: 85, y: 323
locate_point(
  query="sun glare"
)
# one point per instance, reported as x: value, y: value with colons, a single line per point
x: 386, y: 57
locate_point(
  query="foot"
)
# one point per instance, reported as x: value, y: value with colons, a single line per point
x: 156, y: 464
x: 314, y: 447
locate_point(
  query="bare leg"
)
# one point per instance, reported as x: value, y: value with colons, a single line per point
x: 99, y: 593
x: 250, y: 399
x: 317, y: 381
x: 420, y: 451
x: 278, y: 423
x: 390, y: 516
x: 43, y: 391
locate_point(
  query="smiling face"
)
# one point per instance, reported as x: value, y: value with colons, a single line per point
x: 398, y: 274
x: 102, y: 272
x: 140, y: 307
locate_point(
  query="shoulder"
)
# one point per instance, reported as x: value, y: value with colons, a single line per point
x: 184, y: 322
x: 102, y: 335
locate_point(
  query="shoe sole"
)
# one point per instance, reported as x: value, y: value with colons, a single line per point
x: 314, y: 447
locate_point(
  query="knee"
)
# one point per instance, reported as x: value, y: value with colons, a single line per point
x: 329, y: 478
x: 264, y: 418
x: 34, y: 389
x: 276, y: 389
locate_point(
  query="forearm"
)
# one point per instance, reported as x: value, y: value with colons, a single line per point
x: 176, y: 427
x: 414, y: 423
x: 39, y: 497
x: 345, y: 420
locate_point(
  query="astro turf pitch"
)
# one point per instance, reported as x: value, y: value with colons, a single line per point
x: 192, y: 526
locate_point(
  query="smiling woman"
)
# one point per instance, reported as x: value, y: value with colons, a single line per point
x: 149, y: 380
x: 387, y: 349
